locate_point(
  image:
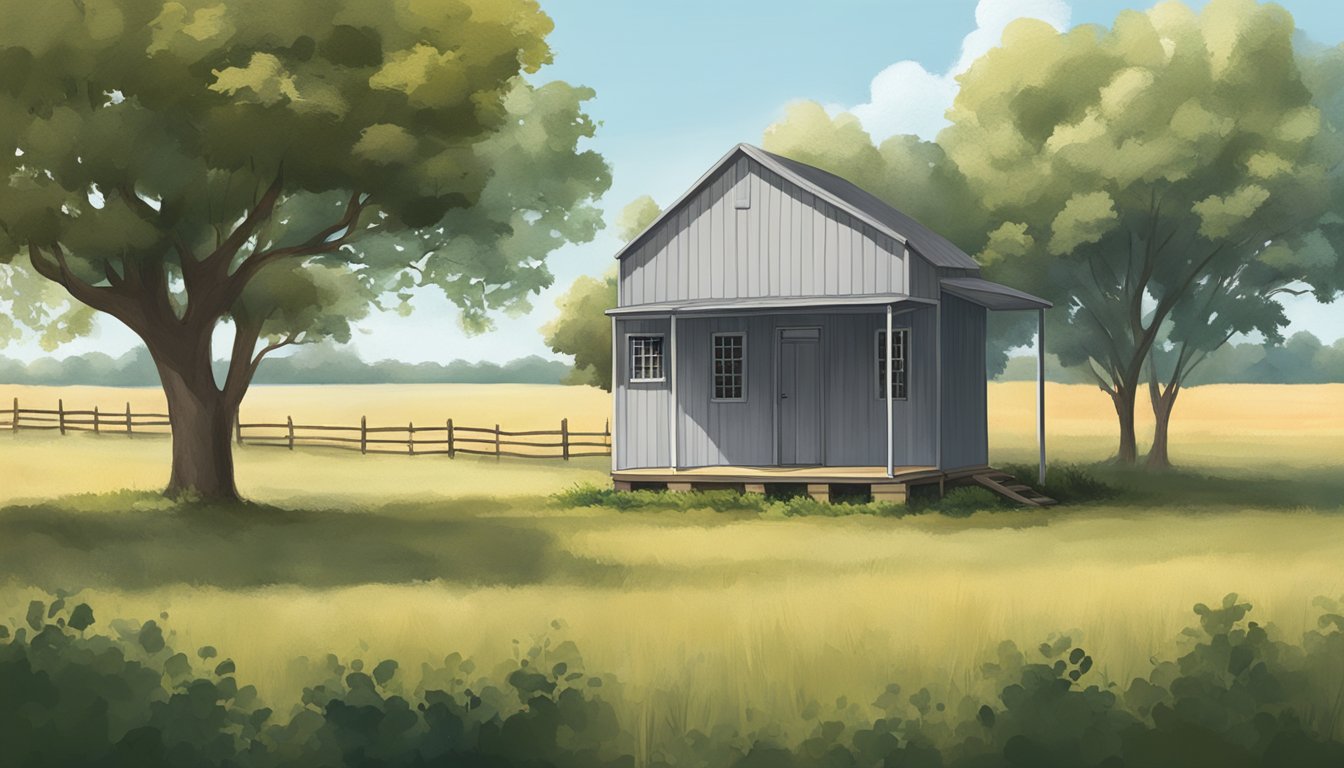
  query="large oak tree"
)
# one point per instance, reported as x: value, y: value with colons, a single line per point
x: 282, y: 166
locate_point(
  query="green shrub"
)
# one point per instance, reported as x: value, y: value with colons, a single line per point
x: 1065, y: 483
x: 718, y: 501
x: 1235, y: 696
x: 960, y: 502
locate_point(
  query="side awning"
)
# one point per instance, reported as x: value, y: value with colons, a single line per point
x: 991, y: 295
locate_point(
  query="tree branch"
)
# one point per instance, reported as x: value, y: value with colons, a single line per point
x: 104, y: 299
x: 321, y: 242
x: 219, y: 259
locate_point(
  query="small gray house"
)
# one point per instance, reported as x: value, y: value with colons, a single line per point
x: 779, y: 325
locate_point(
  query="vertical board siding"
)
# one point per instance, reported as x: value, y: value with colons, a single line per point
x: 964, y: 410
x: 787, y: 242
x: 640, y: 435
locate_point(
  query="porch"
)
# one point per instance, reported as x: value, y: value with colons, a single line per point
x: 821, y: 482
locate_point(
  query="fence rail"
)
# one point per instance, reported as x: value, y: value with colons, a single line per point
x: 445, y: 439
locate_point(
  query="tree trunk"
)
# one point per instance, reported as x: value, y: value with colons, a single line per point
x: 1128, y: 452
x: 1163, y: 405
x: 202, y: 423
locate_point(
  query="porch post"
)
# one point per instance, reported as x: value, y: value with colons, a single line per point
x: 615, y: 350
x: 672, y: 381
x: 1040, y: 392
x: 891, y: 455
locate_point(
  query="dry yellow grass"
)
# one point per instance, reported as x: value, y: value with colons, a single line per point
x: 512, y: 406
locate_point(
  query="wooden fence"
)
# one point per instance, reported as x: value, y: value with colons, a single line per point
x: 446, y: 439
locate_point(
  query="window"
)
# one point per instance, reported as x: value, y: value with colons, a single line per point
x: 900, y: 347
x: 729, y: 366
x: 646, y: 358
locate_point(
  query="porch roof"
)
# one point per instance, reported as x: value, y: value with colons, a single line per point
x: 772, y: 303
x: 991, y: 295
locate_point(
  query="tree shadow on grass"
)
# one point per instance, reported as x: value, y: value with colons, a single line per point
x: 150, y: 543
x: 1229, y: 490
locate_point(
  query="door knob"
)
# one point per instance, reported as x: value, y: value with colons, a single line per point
x: 783, y: 396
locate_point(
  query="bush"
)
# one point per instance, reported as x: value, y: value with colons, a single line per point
x: 1065, y: 483
x: 960, y: 502
x: 1236, y: 696
x: 719, y: 501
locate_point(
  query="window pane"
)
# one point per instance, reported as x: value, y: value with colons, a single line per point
x: 899, y: 344
x: 646, y: 358
x: 728, y: 371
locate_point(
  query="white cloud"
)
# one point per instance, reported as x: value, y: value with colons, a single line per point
x: 907, y: 98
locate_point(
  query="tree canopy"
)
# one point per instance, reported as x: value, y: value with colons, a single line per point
x: 582, y: 328
x: 282, y: 165
x: 1160, y: 180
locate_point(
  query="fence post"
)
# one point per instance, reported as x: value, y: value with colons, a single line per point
x: 238, y: 427
x: 410, y: 438
x: 451, y: 451
x: 14, y: 424
x: 363, y: 434
x: 289, y: 423
x: 128, y: 418
x: 606, y: 434
x: 95, y: 419
x: 496, y: 442
x: 60, y: 414
x: 564, y: 439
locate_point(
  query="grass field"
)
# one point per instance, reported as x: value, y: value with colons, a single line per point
x: 706, y: 617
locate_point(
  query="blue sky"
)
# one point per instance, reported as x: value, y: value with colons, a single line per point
x: 679, y: 83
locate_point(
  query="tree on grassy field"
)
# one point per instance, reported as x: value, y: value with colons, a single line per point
x: 280, y: 166
x: 1168, y: 177
x: 582, y: 328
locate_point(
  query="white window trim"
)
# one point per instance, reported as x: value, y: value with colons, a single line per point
x: 713, y: 337
x: 877, y: 361
x: 630, y: 357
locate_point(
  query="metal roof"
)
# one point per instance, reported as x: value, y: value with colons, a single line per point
x: 844, y: 195
x: 931, y: 245
x: 764, y: 303
x: 992, y: 295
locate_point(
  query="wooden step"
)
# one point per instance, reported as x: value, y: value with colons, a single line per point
x: 1013, y: 489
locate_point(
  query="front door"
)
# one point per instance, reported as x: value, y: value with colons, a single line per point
x: 799, y: 396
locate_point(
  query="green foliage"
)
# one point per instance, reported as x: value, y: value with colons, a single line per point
x: 1234, y: 695
x: 718, y: 501
x: 282, y: 166
x: 636, y: 217
x: 1065, y: 483
x: 960, y: 502
x: 316, y: 364
x: 1164, y: 180
x: 582, y: 329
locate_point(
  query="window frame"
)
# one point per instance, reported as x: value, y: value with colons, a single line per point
x: 630, y: 357
x: 713, y: 360
x: 880, y: 377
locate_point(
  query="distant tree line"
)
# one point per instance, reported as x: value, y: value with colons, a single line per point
x: 308, y: 365
x: 1302, y: 359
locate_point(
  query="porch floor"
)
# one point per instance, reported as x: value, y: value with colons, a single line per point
x: 815, y: 474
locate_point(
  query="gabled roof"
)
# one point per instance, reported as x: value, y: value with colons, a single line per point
x: 838, y: 192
